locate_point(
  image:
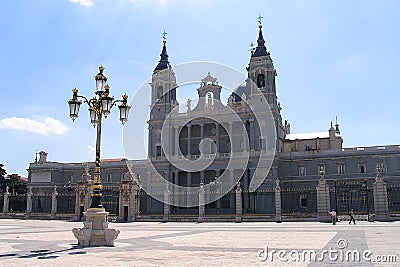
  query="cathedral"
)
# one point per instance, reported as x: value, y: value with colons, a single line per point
x: 308, y: 174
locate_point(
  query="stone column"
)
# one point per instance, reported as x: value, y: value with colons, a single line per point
x: 121, y: 196
x: 201, y: 204
x: 278, y: 202
x: 201, y: 131
x: 323, y: 200
x: 238, y: 193
x: 381, y: 200
x: 189, y: 184
x: 252, y: 135
x: 6, y: 200
x: 150, y: 143
x: 202, y: 177
x: 166, y: 204
x: 176, y: 140
x: 230, y: 135
x: 189, y: 143
x: 217, y: 137
x: 29, y: 201
x: 54, y: 195
x: 245, y: 137
x: 175, y: 192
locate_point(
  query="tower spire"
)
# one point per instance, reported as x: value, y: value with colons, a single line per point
x: 261, y: 50
x: 163, y: 63
x: 337, y: 126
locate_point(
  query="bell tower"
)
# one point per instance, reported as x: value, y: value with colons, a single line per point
x: 163, y: 99
x: 261, y: 69
x: 163, y: 86
x: 262, y: 73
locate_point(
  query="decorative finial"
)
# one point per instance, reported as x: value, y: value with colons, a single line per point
x: 164, y: 36
x: 251, y: 46
x: 259, y: 20
x: 101, y: 69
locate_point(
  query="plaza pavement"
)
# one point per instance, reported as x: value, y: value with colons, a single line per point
x: 51, y: 243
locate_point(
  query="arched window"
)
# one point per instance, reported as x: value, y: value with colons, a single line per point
x: 260, y: 80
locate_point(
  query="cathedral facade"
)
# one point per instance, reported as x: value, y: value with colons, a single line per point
x: 310, y: 174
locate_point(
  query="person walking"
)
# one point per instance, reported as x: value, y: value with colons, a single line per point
x: 333, y: 216
x: 352, y: 219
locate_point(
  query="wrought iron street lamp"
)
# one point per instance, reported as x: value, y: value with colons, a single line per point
x: 218, y: 187
x: 99, y: 106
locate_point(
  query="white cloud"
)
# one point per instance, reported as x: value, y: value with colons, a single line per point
x: 92, y: 148
x: 87, y: 3
x: 48, y: 126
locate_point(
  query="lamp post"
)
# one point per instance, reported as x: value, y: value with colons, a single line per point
x: 99, y: 106
x: 218, y: 186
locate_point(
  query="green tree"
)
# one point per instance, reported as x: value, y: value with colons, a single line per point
x: 2, y: 178
x: 15, y: 185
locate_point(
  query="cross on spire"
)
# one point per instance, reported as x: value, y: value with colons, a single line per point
x: 259, y: 18
x: 164, y: 34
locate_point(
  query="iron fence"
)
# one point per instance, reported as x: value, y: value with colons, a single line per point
x: 352, y: 195
x: 17, y: 203
x: 299, y: 202
x: 41, y: 203
x: 66, y: 203
x: 394, y: 199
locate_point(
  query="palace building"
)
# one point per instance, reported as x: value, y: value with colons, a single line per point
x: 310, y: 174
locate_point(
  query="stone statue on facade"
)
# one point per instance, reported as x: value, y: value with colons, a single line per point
x: 189, y: 105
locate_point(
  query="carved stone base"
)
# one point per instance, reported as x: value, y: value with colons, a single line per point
x: 95, y: 231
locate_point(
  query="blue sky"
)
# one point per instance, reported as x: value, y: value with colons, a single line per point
x: 333, y: 58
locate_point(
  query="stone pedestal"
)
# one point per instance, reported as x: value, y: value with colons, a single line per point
x: 201, y: 204
x: 95, y: 231
x: 54, y: 195
x: 323, y: 201
x: 238, y: 192
x: 381, y: 200
x: 6, y: 201
x: 278, y: 202
x: 29, y: 202
x: 166, y: 206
